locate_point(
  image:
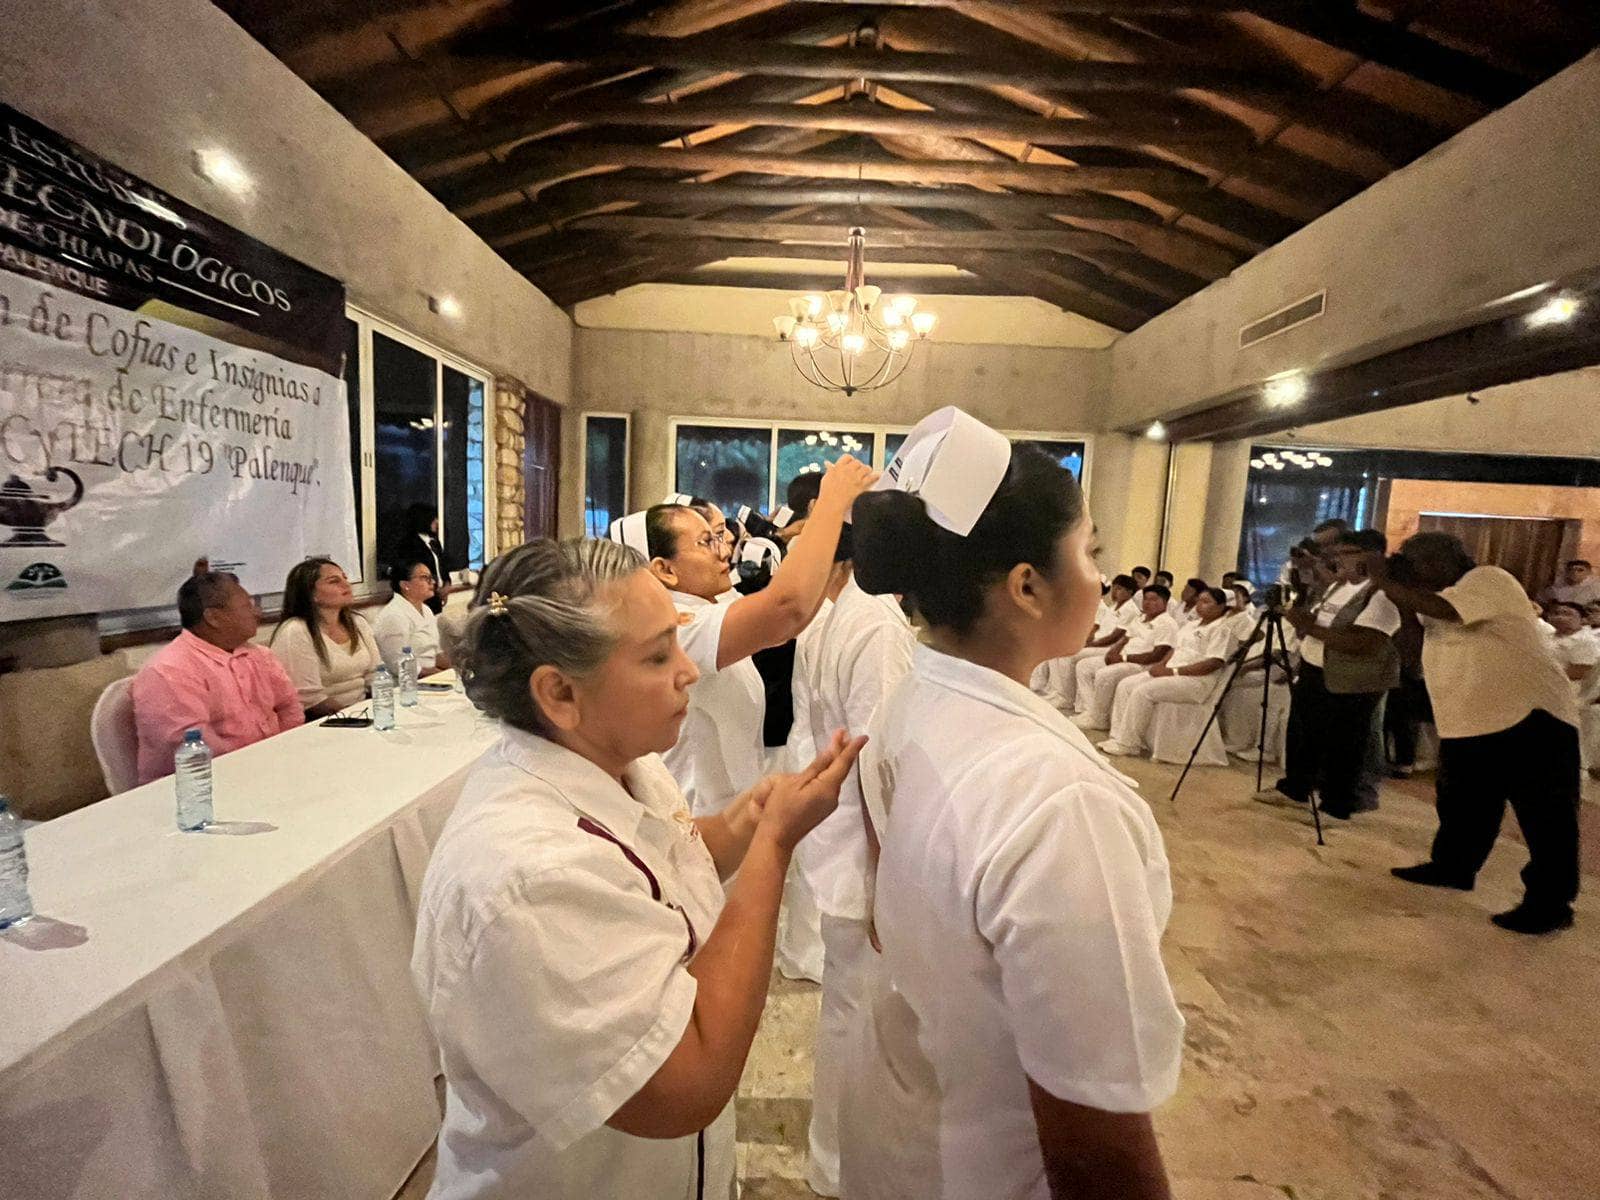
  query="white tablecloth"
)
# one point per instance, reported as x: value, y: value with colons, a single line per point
x: 206, y: 1015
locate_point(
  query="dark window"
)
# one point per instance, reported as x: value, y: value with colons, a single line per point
x: 463, y: 470
x: 1068, y: 454
x: 352, y: 391
x: 728, y: 465
x: 805, y: 451
x: 404, y: 391
x: 605, y: 473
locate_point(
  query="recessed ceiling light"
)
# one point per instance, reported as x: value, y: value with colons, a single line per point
x: 224, y: 170
x: 1554, y: 311
x: 1285, y: 389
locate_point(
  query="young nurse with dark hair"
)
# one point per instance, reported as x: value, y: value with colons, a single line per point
x: 1019, y: 1025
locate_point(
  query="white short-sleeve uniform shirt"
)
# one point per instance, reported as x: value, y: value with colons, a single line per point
x: 399, y: 625
x: 863, y: 653
x: 1198, y: 641
x: 801, y: 748
x: 720, y: 752
x: 1020, y: 900
x: 1145, y: 635
x: 553, y: 966
x: 1493, y: 668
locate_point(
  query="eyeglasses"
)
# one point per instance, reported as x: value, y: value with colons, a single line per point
x: 708, y: 541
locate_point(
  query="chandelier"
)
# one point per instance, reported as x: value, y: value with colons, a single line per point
x: 1278, y: 460
x: 854, y: 339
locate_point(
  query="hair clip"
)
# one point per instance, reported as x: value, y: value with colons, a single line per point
x: 497, y: 604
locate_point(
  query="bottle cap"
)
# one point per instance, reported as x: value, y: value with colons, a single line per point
x: 191, y: 735
x: 405, y: 649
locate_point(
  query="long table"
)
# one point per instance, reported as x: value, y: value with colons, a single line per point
x: 230, y: 1014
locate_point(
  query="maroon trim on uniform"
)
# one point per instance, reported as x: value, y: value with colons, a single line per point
x: 600, y: 831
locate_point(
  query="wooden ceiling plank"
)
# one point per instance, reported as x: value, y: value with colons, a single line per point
x: 832, y: 234
x: 1027, y: 68
x: 857, y: 116
x: 532, y: 169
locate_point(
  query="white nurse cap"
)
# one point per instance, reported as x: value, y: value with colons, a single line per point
x: 682, y: 498
x: 759, y: 550
x: 955, y: 463
x: 630, y: 531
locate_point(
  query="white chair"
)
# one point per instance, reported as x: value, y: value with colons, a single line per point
x: 1241, y: 722
x: 1175, y: 728
x: 116, y: 742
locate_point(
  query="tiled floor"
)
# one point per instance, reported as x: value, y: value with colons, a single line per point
x: 1350, y: 1037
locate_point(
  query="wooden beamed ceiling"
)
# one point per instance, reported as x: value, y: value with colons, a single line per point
x: 1108, y: 156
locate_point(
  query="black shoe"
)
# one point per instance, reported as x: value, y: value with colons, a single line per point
x: 1523, y: 919
x: 1431, y: 875
x: 1338, y: 814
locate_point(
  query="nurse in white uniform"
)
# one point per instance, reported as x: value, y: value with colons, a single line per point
x: 1187, y: 676
x: 860, y: 655
x: 1021, y: 1026
x: 593, y: 994
x: 1149, y: 641
x: 720, y: 753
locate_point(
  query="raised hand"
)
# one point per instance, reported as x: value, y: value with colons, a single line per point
x: 796, y: 804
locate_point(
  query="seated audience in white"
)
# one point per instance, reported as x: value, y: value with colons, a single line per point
x: 325, y: 646
x: 1577, y: 585
x: 408, y: 621
x: 1150, y: 640
x: 1573, y: 645
x: 1186, y: 677
x: 211, y: 678
x: 1057, y: 680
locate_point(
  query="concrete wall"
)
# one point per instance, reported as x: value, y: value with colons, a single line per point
x: 659, y: 375
x: 1506, y: 204
x: 145, y: 83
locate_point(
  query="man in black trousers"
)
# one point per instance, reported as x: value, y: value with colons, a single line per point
x: 1508, y: 727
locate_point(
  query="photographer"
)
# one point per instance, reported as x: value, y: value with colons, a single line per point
x: 1508, y: 727
x: 1348, y: 662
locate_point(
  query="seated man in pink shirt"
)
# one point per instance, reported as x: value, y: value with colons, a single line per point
x: 211, y: 678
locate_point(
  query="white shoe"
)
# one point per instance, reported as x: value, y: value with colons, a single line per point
x: 1086, y: 721
x: 1116, y: 749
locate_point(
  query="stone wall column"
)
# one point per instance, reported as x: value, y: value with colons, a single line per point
x: 510, y: 444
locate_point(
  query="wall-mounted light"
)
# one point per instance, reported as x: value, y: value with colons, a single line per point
x: 446, y: 306
x: 1157, y: 432
x: 224, y: 170
x: 1285, y: 389
x: 1554, y: 311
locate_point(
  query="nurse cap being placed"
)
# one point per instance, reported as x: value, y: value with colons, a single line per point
x: 631, y: 531
x: 954, y: 463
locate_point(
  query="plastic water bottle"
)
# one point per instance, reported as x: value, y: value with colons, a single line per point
x: 408, y: 677
x: 382, y: 698
x: 15, y: 905
x: 191, y: 765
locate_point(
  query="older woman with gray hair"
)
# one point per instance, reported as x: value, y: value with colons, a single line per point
x: 593, y: 992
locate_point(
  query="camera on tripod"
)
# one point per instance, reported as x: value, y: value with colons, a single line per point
x: 1278, y: 598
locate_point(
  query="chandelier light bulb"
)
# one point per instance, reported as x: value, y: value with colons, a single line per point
x: 852, y: 343
x: 815, y: 304
x: 785, y: 326
x: 1278, y: 464
x: 837, y: 321
x: 903, y: 304
x: 891, y: 317
x: 839, y: 301
x: 867, y: 295
x: 923, y: 323
x: 806, y: 336
x: 800, y: 307
x: 898, y: 339
x: 1258, y: 464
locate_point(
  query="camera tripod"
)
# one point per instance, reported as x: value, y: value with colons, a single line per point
x: 1274, y: 654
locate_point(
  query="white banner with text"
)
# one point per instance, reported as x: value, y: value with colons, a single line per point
x: 131, y: 446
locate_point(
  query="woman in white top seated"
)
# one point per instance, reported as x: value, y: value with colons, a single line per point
x: 1187, y: 676
x: 1020, y: 1025
x: 325, y: 646
x: 1150, y: 639
x: 408, y: 621
x: 593, y: 994
x: 720, y: 751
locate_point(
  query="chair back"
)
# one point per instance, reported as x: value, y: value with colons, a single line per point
x: 116, y: 743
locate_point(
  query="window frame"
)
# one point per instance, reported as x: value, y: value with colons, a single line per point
x: 368, y: 323
x: 877, y: 429
x: 627, y: 461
